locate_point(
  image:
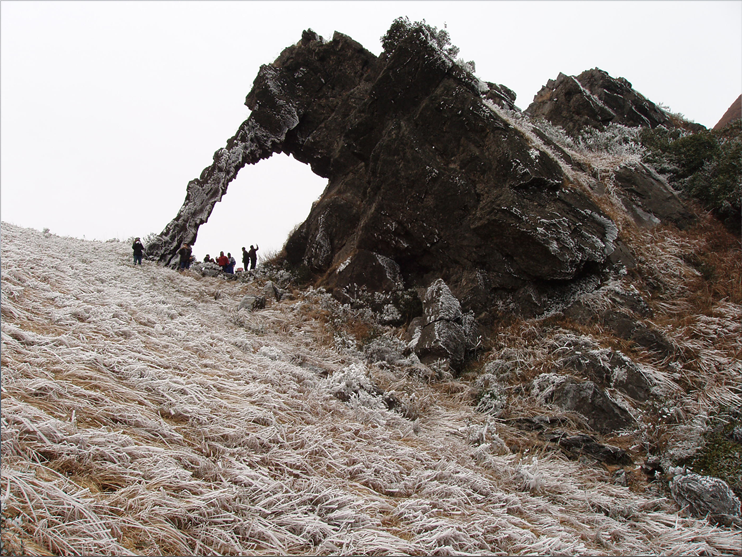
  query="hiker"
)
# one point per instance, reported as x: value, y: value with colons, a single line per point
x: 185, y: 257
x: 138, y: 248
x: 245, y: 259
x: 253, y: 256
x: 222, y: 261
x: 232, y: 263
x: 208, y: 259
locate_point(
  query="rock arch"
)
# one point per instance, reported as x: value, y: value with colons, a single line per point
x: 424, y: 171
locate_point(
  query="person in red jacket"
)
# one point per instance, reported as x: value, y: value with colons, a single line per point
x: 222, y: 261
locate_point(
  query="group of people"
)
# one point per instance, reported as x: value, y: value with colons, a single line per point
x: 185, y: 257
x: 227, y: 262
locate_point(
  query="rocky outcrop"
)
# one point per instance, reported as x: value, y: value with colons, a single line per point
x: 427, y: 179
x: 622, y: 312
x: 594, y: 99
x: 251, y: 303
x: 648, y: 199
x: 423, y: 172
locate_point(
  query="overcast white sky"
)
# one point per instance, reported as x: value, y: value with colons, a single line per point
x: 109, y: 109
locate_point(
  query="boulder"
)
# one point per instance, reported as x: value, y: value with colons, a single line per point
x: 252, y: 303
x: 442, y: 340
x: 704, y: 495
x: 582, y: 444
x: 607, y: 368
x: 439, y: 304
x: 626, y: 326
x: 271, y: 292
x: 600, y: 411
x: 444, y: 332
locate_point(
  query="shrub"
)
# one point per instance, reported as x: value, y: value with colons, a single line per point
x: 615, y: 139
x: 692, y: 151
x: 718, y: 183
x: 706, y: 165
x: 401, y: 28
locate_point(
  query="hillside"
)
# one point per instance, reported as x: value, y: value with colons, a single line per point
x: 143, y: 412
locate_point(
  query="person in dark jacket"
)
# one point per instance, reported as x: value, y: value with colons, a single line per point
x: 185, y: 257
x: 138, y: 248
x: 253, y: 256
x: 245, y: 259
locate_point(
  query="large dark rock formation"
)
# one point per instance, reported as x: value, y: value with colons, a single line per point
x: 426, y: 179
x: 594, y: 99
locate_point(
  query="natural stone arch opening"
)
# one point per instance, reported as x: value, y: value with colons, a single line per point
x: 263, y: 204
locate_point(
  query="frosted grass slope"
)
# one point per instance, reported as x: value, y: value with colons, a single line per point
x: 143, y: 414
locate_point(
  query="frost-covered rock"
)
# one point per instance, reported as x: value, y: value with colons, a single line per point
x: 439, y: 304
x: 368, y: 279
x: 704, y: 495
x: 582, y: 444
x: 442, y: 340
x: 648, y: 198
x: 445, y: 333
x: 622, y: 315
x: 602, y: 413
x: 271, y: 292
x: 252, y: 303
x: 608, y: 368
x: 594, y: 99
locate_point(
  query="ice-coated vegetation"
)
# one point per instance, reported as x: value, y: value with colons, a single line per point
x: 143, y: 413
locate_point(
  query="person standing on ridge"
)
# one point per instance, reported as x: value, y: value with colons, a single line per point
x: 138, y: 248
x: 253, y: 256
x: 245, y: 260
x: 222, y: 261
x: 232, y: 263
x: 185, y: 257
